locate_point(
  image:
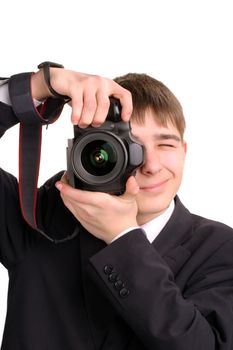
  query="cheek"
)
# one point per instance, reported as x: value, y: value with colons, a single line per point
x: 173, y: 162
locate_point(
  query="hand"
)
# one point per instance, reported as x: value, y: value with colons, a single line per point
x: 89, y: 95
x: 102, y: 214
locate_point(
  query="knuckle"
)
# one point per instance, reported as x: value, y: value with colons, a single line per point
x: 90, y: 104
x: 83, y: 124
x: 92, y: 80
x: 97, y: 121
x: 104, y: 102
x: 99, y: 79
x: 75, y: 116
x: 127, y: 93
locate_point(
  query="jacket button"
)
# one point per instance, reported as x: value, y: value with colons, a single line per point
x: 108, y: 269
x: 118, y: 285
x: 113, y: 277
x: 124, y: 292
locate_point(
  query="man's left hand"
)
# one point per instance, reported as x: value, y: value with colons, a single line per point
x: 102, y: 214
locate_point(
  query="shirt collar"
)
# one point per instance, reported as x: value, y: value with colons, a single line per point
x: 155, y: 226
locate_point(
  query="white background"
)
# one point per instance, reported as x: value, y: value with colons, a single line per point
x: 186, y: 44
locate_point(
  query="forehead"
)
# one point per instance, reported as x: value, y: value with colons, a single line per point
x: 151, y: 127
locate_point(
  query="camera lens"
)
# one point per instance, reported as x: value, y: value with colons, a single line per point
x: 98, y: 157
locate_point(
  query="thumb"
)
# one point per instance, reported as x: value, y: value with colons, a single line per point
x: 132, y: 188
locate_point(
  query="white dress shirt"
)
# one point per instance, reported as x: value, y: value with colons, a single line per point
x: 4, y: 94
x: 153, y: 227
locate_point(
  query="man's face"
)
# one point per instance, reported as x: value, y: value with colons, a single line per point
x: 160, y: 176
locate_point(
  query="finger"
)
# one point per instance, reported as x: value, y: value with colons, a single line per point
x: 132, y: 189
x: 66, y: 189
x: 64, y: 178
x: 77, y: 106
x: 89, y: 108
x: 101, y: 112
x: 75, y: 208
x: 80, y: 196
x: 125, y: 98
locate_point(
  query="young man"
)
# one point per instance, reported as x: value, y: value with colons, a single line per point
x: 142, y: 273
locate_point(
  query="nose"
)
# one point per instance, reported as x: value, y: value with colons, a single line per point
x: 152, y: 163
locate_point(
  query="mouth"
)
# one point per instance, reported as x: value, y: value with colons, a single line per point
x: 157, y: 187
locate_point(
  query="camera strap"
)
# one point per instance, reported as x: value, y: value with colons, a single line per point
x: 31, y: 119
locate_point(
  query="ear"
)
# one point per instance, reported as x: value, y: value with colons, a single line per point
x: 185, y: 146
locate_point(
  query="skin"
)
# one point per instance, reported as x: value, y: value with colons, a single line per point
x: 160, y: 177
x: 89, y: 94
x: 146, y: 196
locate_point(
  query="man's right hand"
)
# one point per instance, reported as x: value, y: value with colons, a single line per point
x: 89, y: 95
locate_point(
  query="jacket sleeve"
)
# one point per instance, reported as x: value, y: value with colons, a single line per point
x: 16, y: 237
x: 52, y: 215
x: 143, y: 289
x: 7, y: 118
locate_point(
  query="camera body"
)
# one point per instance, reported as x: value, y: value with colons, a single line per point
x: 102, y: 159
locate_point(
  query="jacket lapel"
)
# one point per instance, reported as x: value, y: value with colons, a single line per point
x: 169, y: 243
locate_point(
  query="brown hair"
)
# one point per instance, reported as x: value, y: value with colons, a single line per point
x: 149, y: 93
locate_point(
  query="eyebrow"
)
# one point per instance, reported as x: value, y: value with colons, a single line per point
x: 167, y: 137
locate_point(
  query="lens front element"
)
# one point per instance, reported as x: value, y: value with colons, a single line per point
x: 99, y: 157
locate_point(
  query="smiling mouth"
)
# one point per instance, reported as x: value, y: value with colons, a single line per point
x: 154, y: 187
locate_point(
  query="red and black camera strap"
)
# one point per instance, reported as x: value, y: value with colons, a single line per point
x: 32, y: 119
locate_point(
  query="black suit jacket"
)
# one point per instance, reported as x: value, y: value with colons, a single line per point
x: 176, y: 293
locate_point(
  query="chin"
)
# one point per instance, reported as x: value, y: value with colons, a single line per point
x: 152, y: 208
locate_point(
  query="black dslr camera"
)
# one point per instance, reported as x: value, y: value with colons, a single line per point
x: 101, y: 159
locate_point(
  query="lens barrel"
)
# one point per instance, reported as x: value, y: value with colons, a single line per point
x: 98, y: 157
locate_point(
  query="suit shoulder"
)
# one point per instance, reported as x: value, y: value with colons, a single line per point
x: 208, y: 228
x: 8, y: 180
